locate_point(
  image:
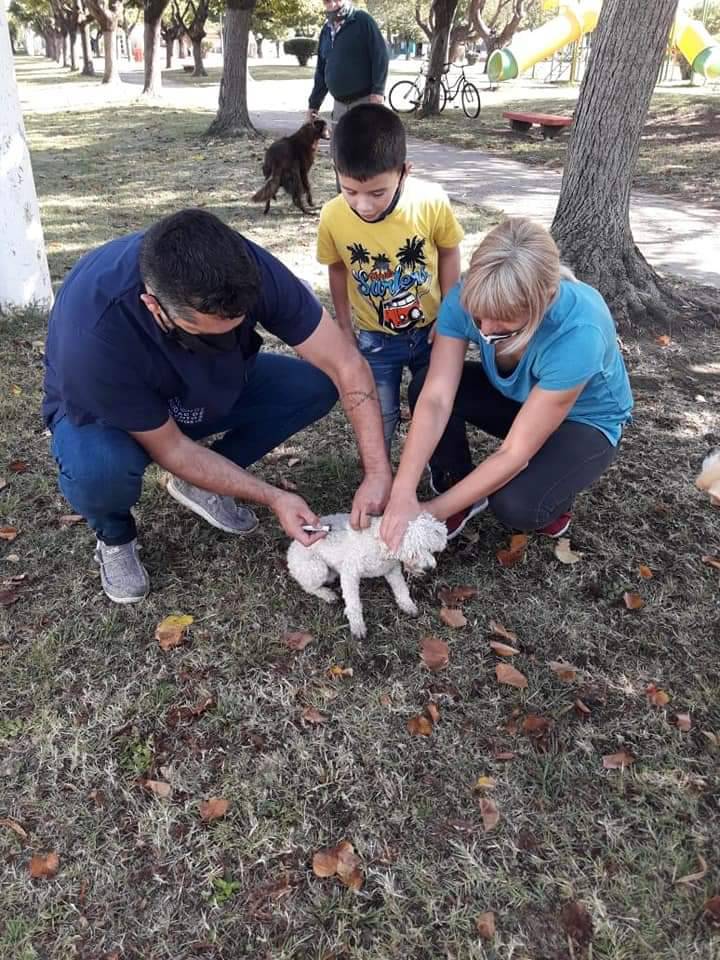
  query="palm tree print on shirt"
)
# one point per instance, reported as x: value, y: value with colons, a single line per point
x: 394, y: 293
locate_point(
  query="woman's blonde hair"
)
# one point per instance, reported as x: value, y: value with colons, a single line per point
x: 514, y: 274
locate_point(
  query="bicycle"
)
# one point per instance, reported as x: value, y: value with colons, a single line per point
x: 406, y: 95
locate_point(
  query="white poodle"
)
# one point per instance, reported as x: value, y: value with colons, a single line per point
x: 354, y: 554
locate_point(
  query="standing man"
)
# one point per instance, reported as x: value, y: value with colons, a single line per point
x: 352, y: 60
x: 152, y: 346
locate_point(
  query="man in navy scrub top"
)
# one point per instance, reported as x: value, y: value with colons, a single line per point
x: 153, y: 345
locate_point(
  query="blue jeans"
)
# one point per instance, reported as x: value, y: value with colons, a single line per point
x: 102, y: 468
x: 388, y: 354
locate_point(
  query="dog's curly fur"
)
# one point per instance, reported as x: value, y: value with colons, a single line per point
x: 355, y: 554
x: 709, y: 479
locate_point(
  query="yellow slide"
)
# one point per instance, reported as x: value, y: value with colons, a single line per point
x: 697, y: 46
x: 532, y: 46
x: 578, y: 18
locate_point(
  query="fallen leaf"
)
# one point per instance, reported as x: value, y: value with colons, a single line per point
x: 18, y: 466
x: 311, y: 715
x: 506, y: 673
x: 347, y: 860
x: 337, y: 671
x: 712, y: 562
x: 658, y: 698
x: 420, y: 726
x: 3, y: 483
x: 692, y: 877
x: 565, y: 671
x: 663, y: 340
x: 504, y: 755
x: 434, y: 652
x: 324, y: 862
x: 44, y: 867
x: 683, y: 722
x: 577, y: 923
x: 8, y: 533
x: 433, y: 711
x: 489, y: 812
x: 712, y: 737
x: 645, y: 572
x: 563, y: 552
x: 514, y: 553
x: 582, y: 708
x: 13, y: 825
x: 171, y: 631
x: 633, y: 601
x: 502, y: 649
x: 485, y: 925
x: 70, y: 519
x: 158, y: 787
x: 297, y: 639
x: 451, y: 596
x: 213, y: 809
x: 618, y: 761
x: 15, y: 390
x: 453, y: 617
x: 500, y: 631
x: 712, y: 909
x: 8, y: 597
x: 484, y: 783
x: 535, y: 726
x: 293, y: 462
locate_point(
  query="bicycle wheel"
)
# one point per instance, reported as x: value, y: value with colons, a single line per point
x: 405, y: 96
x: 442, y: 102
x: 470, y: 100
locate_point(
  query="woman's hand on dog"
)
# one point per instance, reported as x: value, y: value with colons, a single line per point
x: 293, y: 513
x: 397, y: 516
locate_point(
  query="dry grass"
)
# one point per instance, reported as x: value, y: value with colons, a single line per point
x: 88, y: 700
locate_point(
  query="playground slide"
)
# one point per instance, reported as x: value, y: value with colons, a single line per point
x: 532, y: 46
x: 697, y: 46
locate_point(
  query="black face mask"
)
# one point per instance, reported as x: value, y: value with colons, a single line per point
x: 210, y: 344
x: 390, y: 207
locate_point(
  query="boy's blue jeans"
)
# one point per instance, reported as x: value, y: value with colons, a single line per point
x: 388, y: 354
x: 102, y: 468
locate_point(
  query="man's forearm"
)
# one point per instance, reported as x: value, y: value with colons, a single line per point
x: 358, y: 394
x: 211, y: 471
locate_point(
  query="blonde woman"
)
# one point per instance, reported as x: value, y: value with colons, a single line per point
x: 551, y: 383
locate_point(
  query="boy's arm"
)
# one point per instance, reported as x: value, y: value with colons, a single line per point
x: 448, y: 267
x: 337, y: 280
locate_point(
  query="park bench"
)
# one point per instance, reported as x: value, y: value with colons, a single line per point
x: 550, y: 124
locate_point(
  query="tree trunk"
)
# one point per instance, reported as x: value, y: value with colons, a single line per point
x: 128, y: 49
x: 168, y: 53
x: 111, y: 74
x: 259, y: 44
x: 443, y: 12
x: 73, y: 43
x: 199, y: 70
x: 153, y: 73
x: 592, y: 221
x: 88, y: 69
x: 232, y: 118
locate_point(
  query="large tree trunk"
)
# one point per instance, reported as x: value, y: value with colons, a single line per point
x: 153, y: 70
x: 88, y: 69
x: 169, y: 44
x: 442, y: 13
x: 199, y: 70
x: 73, y: 42
x: 592, y: 221
x: 111, y: 73
x: 232, y: 117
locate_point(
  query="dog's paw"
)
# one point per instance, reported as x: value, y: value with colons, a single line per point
x: 358, y: 630
x: 326, y: 594
x: 409, y: 608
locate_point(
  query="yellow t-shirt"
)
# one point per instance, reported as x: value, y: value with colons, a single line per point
x: 393, y: 281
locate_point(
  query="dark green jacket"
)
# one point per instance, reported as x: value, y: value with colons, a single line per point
x: 352, y: 66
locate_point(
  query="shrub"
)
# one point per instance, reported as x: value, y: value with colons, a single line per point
x: 301, y: 47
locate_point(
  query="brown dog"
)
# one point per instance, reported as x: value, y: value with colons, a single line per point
x: 287, y: 164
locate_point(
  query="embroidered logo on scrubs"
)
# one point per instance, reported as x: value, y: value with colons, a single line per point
x: 394, y: 293
x: 181, y: 414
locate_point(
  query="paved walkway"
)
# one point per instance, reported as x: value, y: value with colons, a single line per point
x: 675, y: 237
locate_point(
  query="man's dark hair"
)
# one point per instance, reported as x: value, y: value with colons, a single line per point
x: 368, y: 140
x: 193, y: 259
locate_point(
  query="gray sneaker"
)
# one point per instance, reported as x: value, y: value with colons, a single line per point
x: 221, y: 512
x: 124, y: 578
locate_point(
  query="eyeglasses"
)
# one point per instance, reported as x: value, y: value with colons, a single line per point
x: 491, y: 338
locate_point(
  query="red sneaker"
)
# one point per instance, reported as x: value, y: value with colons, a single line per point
x: 559, y: 526
x: 456, y: 523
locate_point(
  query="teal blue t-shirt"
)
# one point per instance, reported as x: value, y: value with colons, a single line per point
x: 575, y: 343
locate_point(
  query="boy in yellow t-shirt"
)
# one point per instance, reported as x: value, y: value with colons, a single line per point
x: 391, y: 245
